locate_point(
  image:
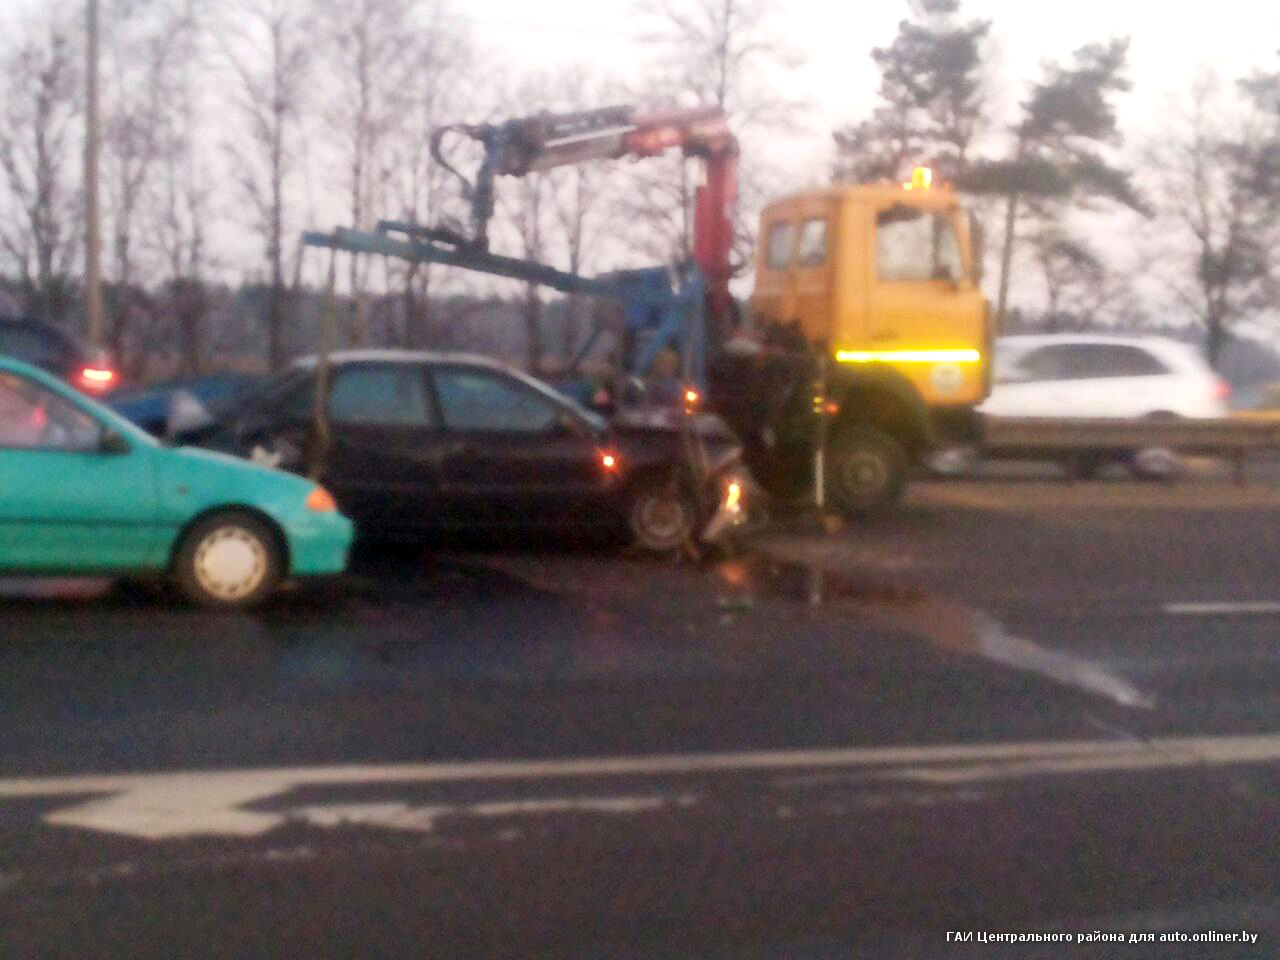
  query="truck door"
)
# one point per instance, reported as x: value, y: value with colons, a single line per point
x: 921, y: 299
x: 812, y: 272
x: 794, y: 282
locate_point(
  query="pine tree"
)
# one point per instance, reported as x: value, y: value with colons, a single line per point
x: 933, y: 100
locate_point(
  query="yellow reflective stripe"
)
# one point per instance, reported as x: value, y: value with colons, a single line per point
x: 908, y: 356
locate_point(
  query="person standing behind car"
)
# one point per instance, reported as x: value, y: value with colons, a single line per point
x: 23, y: 421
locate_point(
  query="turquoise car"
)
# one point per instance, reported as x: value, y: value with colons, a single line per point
x: 83, y: 491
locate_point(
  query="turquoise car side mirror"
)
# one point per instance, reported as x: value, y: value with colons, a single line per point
x: 114, y: 444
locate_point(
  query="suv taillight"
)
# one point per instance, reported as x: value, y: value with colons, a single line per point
x: 97, y: 379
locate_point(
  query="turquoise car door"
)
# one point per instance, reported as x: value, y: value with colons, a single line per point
x: 73, y: 496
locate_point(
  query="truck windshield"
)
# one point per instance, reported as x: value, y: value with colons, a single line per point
x: 914, y: 244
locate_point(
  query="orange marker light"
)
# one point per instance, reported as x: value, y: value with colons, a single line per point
x: 921, y: 179
x: 733, y: 496
x: 608, y: 461
x: 320, y: 500
x: 692, y: 397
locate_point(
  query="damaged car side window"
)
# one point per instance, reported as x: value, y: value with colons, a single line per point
x: 390, y: 395
x: 476, y: 400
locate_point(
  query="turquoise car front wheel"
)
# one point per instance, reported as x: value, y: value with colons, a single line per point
x: 230, y: 560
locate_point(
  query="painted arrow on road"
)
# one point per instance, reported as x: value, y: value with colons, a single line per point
x: 159, y: 806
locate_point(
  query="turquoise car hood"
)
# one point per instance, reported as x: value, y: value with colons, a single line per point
x: 212, y: 457
x: 193, y: 479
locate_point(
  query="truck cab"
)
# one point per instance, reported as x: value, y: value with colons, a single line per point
x: 881, y: 280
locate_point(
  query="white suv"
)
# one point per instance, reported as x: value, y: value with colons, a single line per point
x: 1094, y: 375
x: 1079, y: 375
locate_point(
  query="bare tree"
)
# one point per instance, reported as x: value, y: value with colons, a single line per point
x: 39, y: 154
x: 1070, y: 269
x: 528, y: 208
x: 580, y: 196
x: 1219, y: 173
x: 439, y: 91
x: 267, y: 46
x: 731, y: 53
x: 172, y: 315
x: 144, y: 42
x: 370, y: 48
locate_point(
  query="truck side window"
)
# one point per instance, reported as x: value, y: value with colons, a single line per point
x: 812, y: 248
x: 778, y: 245
x: 914, y: 245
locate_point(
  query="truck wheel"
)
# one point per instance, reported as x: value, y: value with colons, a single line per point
x: 866, y: 471
x: 230, y: 560
x: 1155, y: 463
x: 661, y: 515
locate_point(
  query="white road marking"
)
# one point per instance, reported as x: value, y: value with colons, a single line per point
x: 401, y: 816
x: 997, y: 644
x: 1222, y: 608
x: 169, y: 805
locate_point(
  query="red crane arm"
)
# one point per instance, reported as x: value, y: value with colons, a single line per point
x: 702, y: 132
x: 545, y: 141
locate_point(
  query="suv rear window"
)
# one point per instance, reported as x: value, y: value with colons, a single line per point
x: 32, y: 344
x: 1087, y: 361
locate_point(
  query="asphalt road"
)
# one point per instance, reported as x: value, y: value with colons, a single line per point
x: 1015, y: 706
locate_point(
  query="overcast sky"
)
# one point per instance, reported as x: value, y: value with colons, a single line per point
x: 1169, y: 39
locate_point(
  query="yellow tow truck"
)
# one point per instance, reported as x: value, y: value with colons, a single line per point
x: 878, y: 286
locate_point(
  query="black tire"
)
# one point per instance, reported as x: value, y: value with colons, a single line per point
x: 141, y: 589
x: 1155, y: 463
x: 1085, y: 466
x: 247, y: 569
x: 866, y: 471
x: 662, y: 514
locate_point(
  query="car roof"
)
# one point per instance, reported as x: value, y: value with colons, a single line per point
x: 1114, y: 339
x: 1179, y: 354
x: 13, y: 365
x: 402, y: 356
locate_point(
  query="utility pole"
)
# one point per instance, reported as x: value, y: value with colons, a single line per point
x: 93, y: 214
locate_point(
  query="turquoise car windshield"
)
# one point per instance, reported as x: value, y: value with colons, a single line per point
x: 39, y: 412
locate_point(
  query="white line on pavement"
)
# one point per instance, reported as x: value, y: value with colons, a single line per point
x: 1222, y: 608
x: 190, y: 803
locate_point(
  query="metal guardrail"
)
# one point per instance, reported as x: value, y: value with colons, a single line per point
x: 1233, y: 438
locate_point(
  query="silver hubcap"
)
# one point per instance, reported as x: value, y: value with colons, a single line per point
x: 662, y: 517
x: 230, y: 563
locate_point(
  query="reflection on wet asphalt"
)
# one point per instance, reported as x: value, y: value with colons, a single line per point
x: 366, y: 629
x: 946, y: 623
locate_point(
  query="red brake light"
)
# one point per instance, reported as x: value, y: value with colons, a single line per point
x: 1222, y: 390
x: 97, y: 378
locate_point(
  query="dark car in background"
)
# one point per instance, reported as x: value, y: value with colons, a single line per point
x: 57, y: 352
x: 424, y: 442
x: 150, y: 406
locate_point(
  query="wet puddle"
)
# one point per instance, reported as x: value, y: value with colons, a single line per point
x: 948, y: 624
